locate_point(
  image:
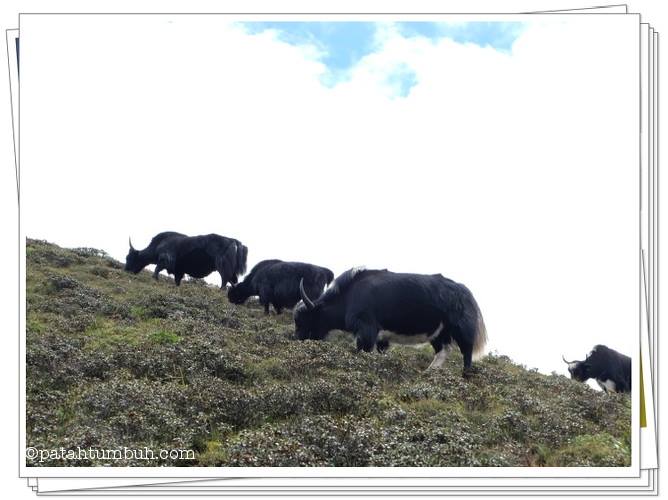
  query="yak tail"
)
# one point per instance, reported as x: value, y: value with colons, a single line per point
x: 480, y: 338
x: 241, y: 257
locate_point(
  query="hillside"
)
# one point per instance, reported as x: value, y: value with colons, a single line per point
x: 118, y: 360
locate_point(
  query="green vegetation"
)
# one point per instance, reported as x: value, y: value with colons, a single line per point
x: 118, y: 360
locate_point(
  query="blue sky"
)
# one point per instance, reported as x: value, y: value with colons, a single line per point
x: 498, y: 35
x: 341, y: 45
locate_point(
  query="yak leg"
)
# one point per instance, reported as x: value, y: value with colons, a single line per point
x: 226, y: 274
x: 159, y: 266
x: 440, y: 340
x: 177, y: 278
x: 382, y: 345
x: 366, y: 337
x: 164, y: 262
x: 463, y: 331
x: 220, y: 267
x: 439, y: 359
x: 265, y: 296
x: 467, y: 352
x: 226, y: 266
x: 277, y: 308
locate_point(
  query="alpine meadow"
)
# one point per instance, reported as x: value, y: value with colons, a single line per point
x: 119, y: 360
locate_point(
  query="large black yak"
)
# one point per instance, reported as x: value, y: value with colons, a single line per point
x: 366, y: 301
x: 277, y: 283
x: 196, y: 256
x: 611, y: 369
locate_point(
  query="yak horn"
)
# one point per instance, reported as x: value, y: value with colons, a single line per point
x: 567, y: 362
x: 309, y: 303
x: 130, y: 241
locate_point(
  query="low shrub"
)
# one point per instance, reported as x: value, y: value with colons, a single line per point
x: 121, y: 360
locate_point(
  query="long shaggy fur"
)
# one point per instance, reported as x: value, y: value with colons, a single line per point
x: 197, y: 256
x: 480, y: 339
x: 277, y: 283
x: 365, y: 302
x: 344, y: 280
x: 242, y: 257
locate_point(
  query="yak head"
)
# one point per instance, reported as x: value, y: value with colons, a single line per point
x: 579, y: 370
x: 308, y: 318
x: 133, y: 261
x: 238, y: 294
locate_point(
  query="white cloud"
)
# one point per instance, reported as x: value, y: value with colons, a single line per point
x: 485, y: 172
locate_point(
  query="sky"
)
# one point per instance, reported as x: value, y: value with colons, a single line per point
x: 340, y: 47
x: 471, y: 149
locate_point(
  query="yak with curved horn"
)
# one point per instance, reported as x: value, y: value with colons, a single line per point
x: 366, y: 301
x: 196, y: 256
x: 610, y: 369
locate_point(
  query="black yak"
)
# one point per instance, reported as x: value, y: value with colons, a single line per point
x: 277, y: 283
x: 611, y: 369
x: 366, y: 301
x: 196, y: 256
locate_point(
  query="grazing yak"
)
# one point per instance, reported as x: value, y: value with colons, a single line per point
x: 366, y: 301
x: 196, y: 256
x: 277, y: 283
x: 611, y: 369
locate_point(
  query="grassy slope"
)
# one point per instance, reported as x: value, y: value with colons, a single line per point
x: 117, y: 360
